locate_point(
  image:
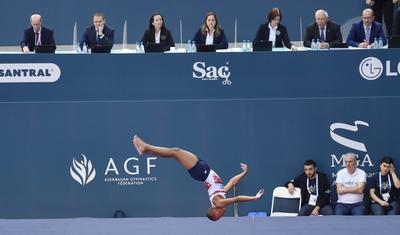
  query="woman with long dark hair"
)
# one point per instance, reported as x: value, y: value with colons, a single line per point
x: 211, y: 33
x: 157, y: 32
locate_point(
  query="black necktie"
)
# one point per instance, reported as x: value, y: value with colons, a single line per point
x: 322, y: 37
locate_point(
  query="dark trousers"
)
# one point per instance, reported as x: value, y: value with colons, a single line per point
x: 350, y: 209
x: 396, y: 23
x: 393, y: 209
x: 385, y: 8
x: 307, y: 209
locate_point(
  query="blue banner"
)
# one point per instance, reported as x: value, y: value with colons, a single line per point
x: 66, y: 133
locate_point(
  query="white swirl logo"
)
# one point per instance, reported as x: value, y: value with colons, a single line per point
x: 371, y: 68
x: 82, y: 171
x: 345, y: 141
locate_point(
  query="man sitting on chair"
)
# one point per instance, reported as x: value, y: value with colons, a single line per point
x: 36, y: 35
x: 314, y: 191
x: 327, y: 31
x: 99, y: 34
x: 350, y: 185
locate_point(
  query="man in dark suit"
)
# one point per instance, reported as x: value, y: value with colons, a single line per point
x: 326, y: 31
x: 396, y: 24
x: 383, y: 9
x: 98, y: 34
x: 364, y: 33
x: 36, y: 35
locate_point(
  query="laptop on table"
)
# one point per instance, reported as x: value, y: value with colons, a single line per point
x: 205, y: 48
x: 155, y: 47
x: 45, y: 49
x: 262, y: 46
x: 100, y: 49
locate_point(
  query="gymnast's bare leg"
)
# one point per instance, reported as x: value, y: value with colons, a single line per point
x: 185, y: 158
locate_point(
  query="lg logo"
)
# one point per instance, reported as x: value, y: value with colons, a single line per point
x: 371, y: 68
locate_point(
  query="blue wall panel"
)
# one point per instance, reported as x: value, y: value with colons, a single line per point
x: 61, y: 16
x: 276, y: 113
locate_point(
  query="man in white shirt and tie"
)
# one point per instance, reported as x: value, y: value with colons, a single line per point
x: 324, y: 30
x: 36, y: 35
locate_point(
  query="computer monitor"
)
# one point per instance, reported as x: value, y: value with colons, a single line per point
x: 339, y: 45
x: 100, y: 49
x: 205, y: 48
x: 155, y: 47
x: 262, y: 46
x: 394, y: 41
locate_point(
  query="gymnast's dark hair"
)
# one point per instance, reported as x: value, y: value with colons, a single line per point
x: 210, y: 217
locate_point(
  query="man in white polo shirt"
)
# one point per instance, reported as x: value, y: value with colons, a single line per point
x: 350, y: 185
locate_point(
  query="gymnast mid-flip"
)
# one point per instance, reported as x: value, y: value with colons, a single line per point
x: 200, y: 171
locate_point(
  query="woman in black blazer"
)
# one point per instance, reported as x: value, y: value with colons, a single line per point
x: 213, y: 30
x: 157, y: 33
x: 281, y: 36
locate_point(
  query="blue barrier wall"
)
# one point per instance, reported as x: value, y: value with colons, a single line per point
x: 277, y: 112
x: 61, y: 15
